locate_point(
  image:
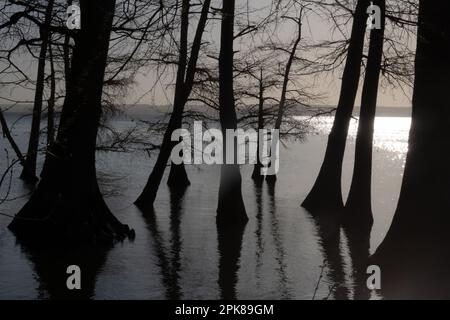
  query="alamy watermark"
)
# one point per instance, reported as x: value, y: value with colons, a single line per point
x: 374, y: 19
x: 241, y: 147
x: 73, y: 17
x: 374, y: 280
x: 74, y: 280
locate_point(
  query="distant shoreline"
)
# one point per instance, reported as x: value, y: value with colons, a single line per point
x: 146, y: 110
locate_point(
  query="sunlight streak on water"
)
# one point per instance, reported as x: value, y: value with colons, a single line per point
x: 391, y: 133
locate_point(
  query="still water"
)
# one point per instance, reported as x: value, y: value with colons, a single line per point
x: 178, y: 252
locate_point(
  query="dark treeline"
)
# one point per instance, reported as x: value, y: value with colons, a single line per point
x: 251, y: 78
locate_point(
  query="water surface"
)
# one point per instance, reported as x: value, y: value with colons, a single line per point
x: 178, y: 251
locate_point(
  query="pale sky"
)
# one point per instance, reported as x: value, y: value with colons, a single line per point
x: 315, y: 30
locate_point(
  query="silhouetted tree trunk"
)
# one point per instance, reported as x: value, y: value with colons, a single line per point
x: 66, y: 55
x: 29, y: 171
x: 359, y: 203
x: 326, y: 194
x: 417, y: 244
x: 177, y: 114
x: 282, y: 106
x: 185, y: 79
x: 51, y: 101
x: 287, y: 72
x: 67, y: 204
x: 7, y: 134
x: 231, y: 209
x: 256, y: 175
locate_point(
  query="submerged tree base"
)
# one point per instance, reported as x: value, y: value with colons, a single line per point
x: 178, y: 178
x: 67, y: 207
x: 414, y: 270
x: 414, y: 257
x: 29, y: 178
x: 271, y: 179
x: 354, y: 215
x: 257, y: 176
x: 50, y: 221
x: 231, y: 208
x: 323, y: 199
